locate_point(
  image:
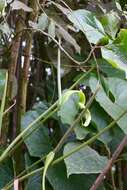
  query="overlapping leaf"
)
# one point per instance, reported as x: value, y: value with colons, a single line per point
x: 118, y: 89
x: 38, y: 142
x: 116, y: 52
x: 84, y: 161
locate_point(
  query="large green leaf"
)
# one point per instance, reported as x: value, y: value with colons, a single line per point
x: 84, y: 161
x: 118, y: 90
x: 87, y: 22
x: 38, y: 143
x: 58, y: 179
x: 116, y: 52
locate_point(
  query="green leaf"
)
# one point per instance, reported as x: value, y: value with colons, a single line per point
x: 6, y: 173
x: 116, y: 52
x: 34, y: 182
x: 110, y: 22
x: 70, y: 106
x: 38, y: 143
x: 58, y: 179
x: 80, y: 132
x: 87, y: 22
x: 109, y: 70
x: 118, y: 89
x: 49, y: 159
x: 101, y: 120
x: 84, y: 161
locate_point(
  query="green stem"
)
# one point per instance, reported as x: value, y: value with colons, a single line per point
x: 5, y: 153
x: 59, y: 73
x: 61, y: 142
x: 91, y: 140
x: 15, y: 141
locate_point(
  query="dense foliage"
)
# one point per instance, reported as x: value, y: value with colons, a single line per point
x: 63, y: 93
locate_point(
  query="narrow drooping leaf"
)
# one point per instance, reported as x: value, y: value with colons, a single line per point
x: 84, y: 161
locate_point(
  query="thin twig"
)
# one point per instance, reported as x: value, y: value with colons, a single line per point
x: 117, y: 152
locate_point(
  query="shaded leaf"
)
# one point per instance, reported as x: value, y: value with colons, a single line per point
x: 38, y: 143
x: 101, y: 120
x: 84, y: 161
x: 58, y: 179
x: 6, y: 172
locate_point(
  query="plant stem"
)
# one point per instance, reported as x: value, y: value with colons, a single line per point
x: 8, y: 149
x: 61, y: 142
x: 59, y: 73
x: 91, y: 140
x: 115, y: 155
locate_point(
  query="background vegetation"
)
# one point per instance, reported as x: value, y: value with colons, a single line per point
x: 63, y: 93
